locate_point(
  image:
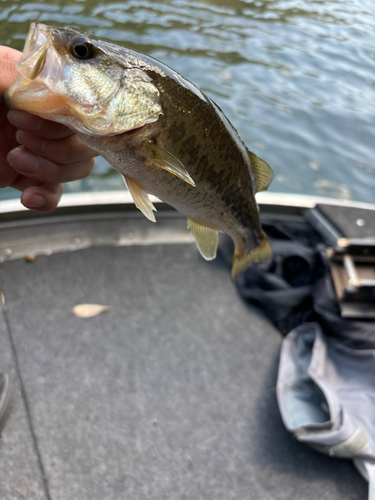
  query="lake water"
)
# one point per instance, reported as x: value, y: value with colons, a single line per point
x: 296, y: 78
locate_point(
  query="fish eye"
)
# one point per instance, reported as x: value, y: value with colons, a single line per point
x: 81, y: 49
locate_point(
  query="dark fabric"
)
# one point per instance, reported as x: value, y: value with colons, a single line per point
x: 283, y: 288
x: 296, y: 287
x: 354, y: 333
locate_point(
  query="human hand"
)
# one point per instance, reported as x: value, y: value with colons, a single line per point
x: 37, y: 155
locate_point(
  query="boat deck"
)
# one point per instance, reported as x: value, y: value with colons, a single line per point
x: 168, y: 395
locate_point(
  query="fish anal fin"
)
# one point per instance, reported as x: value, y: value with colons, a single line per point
x: 243, y: 260
x: 206, y: 239
x: 167, y: 161
x: 263, y: 172
x: 140, y: 198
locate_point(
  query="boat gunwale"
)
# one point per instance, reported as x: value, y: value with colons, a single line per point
x: 76, y: 201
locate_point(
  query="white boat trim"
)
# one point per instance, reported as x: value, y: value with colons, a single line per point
x: 124, y: 197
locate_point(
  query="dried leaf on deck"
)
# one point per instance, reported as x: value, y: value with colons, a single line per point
x: 89, y: 310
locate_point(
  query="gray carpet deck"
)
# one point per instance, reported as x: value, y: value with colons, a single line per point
x: 21, y: 475
x: 169, y: 395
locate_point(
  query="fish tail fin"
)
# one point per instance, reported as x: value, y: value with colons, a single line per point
x: 244, y: 259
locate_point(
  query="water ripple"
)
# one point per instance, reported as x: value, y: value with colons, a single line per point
x: 296, y: 78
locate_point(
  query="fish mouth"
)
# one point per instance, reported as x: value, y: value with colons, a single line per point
x: 34, y: 54
x: 31, y: 66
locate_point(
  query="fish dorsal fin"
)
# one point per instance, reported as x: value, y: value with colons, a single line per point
x: 205, y: 238
x: 140, y: 198
x: 263, y: 172
x: 165, y: 160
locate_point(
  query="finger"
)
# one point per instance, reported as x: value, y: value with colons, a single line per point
x: 8, y: 58
x: 64, y: 151
x: 38, y: 126
x: 7, y: 142
x: 44, y: 198
x: 38, y: 196
x: 21, y: 182
x: 41, y: 169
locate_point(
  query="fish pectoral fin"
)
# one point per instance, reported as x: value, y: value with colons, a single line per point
x: 263, y: 172
x: 140, y: 198
x: 243, y: 260
x: 165, y: 160
x: 205, y: 238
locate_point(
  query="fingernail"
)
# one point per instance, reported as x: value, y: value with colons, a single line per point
x: 22, y: 161
x: 23, y: 120
x: 32, y: 200
x: 19, y: 136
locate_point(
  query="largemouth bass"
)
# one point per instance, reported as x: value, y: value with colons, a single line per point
x: 164, y: 135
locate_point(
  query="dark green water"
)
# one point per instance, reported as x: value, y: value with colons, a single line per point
x: 296, y: 78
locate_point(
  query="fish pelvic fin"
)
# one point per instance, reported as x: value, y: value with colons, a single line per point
x: 263, y: 172
x: 206, y: 239
x: 165, y: 160
x: 243, y: 260
x: 140, y: 198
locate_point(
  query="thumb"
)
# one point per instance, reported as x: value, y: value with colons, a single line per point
x: 8, y: 73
